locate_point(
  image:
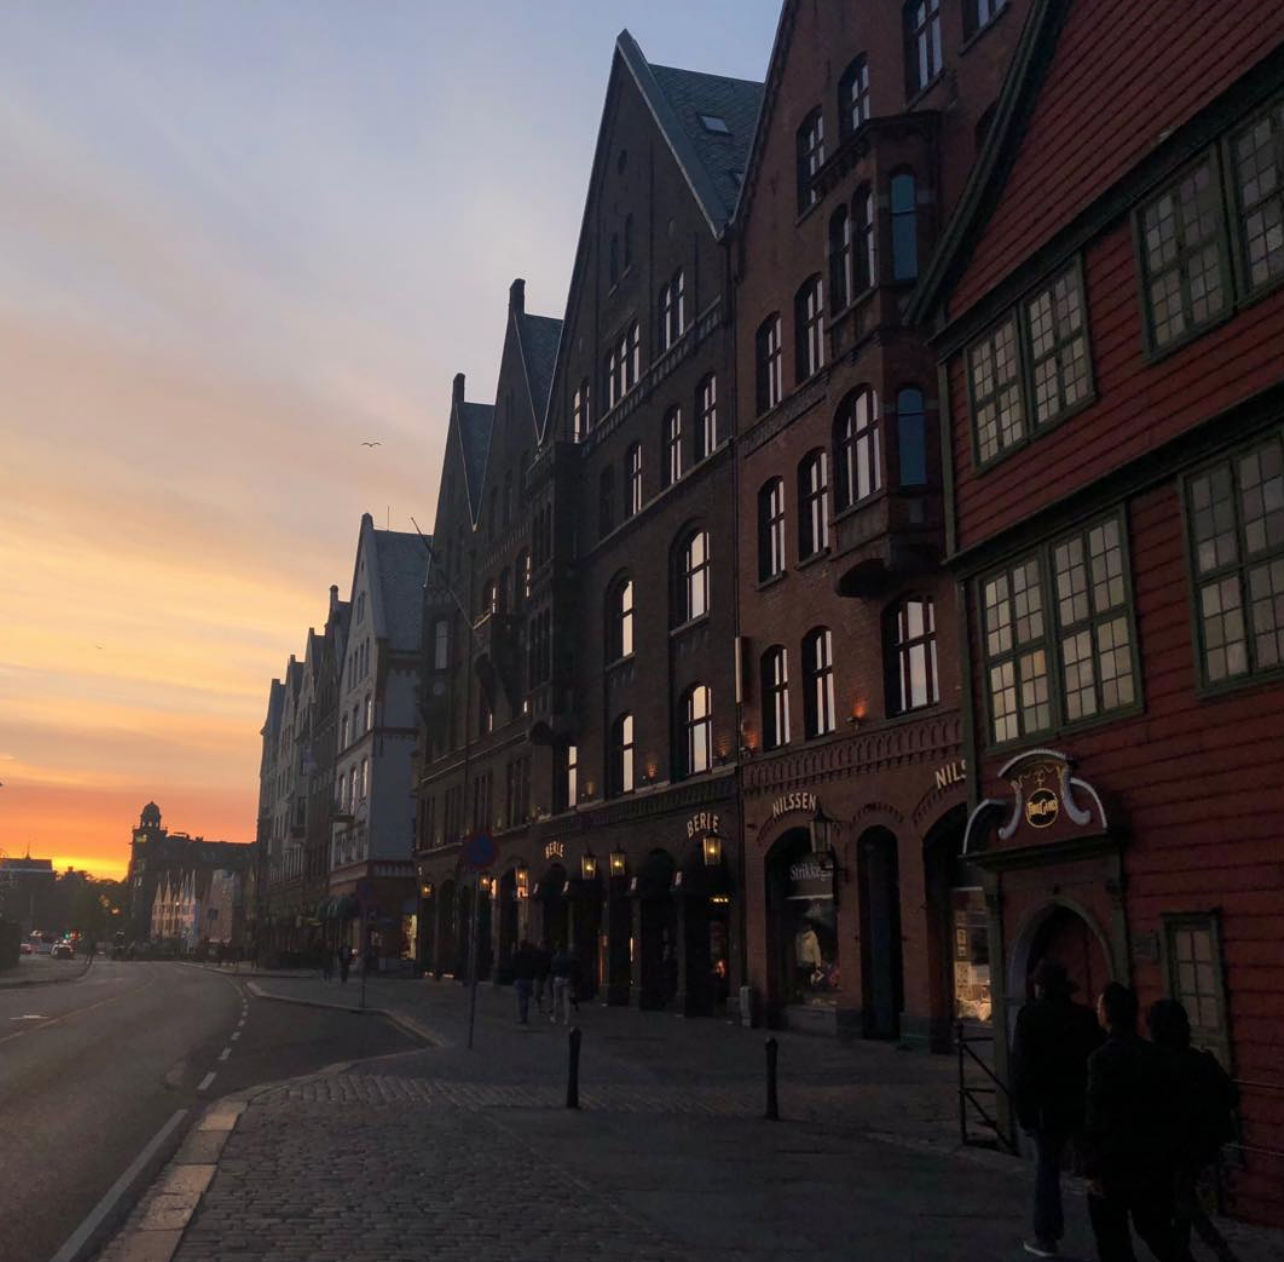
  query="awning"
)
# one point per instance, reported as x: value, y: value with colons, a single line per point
x: 345, y: 908
x: 325, y: 909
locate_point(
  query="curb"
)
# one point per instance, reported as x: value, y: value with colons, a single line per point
x: 408, y: 1025
x: 6, y: 984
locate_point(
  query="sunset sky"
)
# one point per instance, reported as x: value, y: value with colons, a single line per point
x: 238, y: 237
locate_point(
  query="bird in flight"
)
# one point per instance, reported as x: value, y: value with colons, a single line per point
x: 372, y: 444
x: 98, y: 646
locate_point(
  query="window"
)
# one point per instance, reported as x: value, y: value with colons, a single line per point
x: 706, y: 417
x: 904, y: 202
x: 866, y: 243
x: 695, y: 577
x: 1236, y: 515
x: 922, y: 44
x: 1257, y: 155
x: 634, y: 460
x: 809, y: 323
x: 621, y: 778
x: 623, y: 365
x: 523, y: 591
x: 673, y: 318
x: 365, y: 778
x: 775, y: 697
x: 811, y: 156
x: 369, y: 713
x: 698, y: 722
x: 813, y: 505
x: 994, y: 377
x: 485, y: 714
x: 771, y: 529
x: 818, y: 682
x: 614, y: 377
x: 840, y: 258
x: 858, y: 447
x: 1185, y: 278
x: 1193, y: 951
x: 711, y: 122
x: 621, y: 630
x: 672, y: 446
x: 572, y: 775
x: 580, y: 421
x: 911, y: 437
x: 441, y: 645
x: 490, y: 597
x: 770, y: 380
x: 914, y: 653
x: 1054, y: 327
x: 343, y: 732
x: 978, y: 14
x: 632, y: 356
x: 853, y: 95
x: 1083, y: 641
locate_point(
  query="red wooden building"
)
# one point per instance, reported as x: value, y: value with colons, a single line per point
x: 1109, y: 318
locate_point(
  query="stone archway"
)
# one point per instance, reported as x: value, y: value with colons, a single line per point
x: 1063, y: 930
x: 882, y: 966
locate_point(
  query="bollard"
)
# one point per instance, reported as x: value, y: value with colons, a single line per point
x: 773, y: 1104
x: 573, y: 1072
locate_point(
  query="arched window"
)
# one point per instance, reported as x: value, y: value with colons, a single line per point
x: 698, y: 723
x: 923, y: 61
x: 621, y: 762
x: 633, y: 355
x: 811, y: 156
x: 606, y: 502
x: 673, y: 311
x: 706, y: 417
x: 672, y: 446
x: 911, y: 625
x: 694, y: 577
x: 440, y: 645
x: 866, y: 239
x: 580, y: 422
x: 614, y: 377
x: 621, y: 620
x: 911, y: 436
x: 840, y: 259
x: 343, y: 731
x: 634, y: 462
x: 904, y: 227
x: 818, y: 682
x: 813, y: 504
x: 767, y: 355
x: 775, y: 697
x: 809, y: 326
x: 858, y: 447
x: 853, y: 95
x: 771, y: 529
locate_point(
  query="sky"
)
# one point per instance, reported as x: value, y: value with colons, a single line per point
x: 237, y: 239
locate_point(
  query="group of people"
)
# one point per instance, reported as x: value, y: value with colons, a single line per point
x: 541, y: 972
x: 1146, y: 1117
x: 343, y: 957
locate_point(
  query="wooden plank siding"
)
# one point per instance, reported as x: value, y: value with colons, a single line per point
x: 1123, y: 76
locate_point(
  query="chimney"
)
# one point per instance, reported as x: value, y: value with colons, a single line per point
x: 334, y: 596
x: 457, y: 394
x: 517, y: 296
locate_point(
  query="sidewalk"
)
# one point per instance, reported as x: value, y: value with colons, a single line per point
x: 450, y: 1154
x: 43, y: 970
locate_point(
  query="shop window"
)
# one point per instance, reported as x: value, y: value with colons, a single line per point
x: 853, y: 95
x: 858, y: 453
x: 771, y: 529
x: 770, y: 382
x: 818, y: 682
x: 1193, y: 950
x: 813, y: 505
x: 698, y: 730
x: 916, y: 682
x: 621, y: 769
x: 911, y: 437
x: 775, y: 697
x: 1236, y: 514
x: 806, y: 924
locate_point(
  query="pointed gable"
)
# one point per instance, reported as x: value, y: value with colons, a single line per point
x: 539, y: 337
x: 400, y: 566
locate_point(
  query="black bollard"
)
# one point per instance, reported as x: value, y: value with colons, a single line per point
x: 573, y: 1072
x: 773, y: 1104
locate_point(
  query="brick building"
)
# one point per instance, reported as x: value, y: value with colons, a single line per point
x: 1108, y: 315
x: 853, y: 792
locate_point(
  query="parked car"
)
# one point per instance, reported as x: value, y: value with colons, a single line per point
x: 63, y: 951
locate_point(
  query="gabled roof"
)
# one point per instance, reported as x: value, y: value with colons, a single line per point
x: 475, y: 421
x: 712, y: 162
x: 538, y: 337
x: 400, y: 566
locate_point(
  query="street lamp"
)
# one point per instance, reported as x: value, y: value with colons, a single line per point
x: 711, y: 845
x: 619, y: 861
x: 588, y: 866
x: 822, y: 831
x: 426, y: 889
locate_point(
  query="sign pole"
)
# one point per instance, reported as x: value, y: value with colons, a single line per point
x: 472, y: 959
x: 365, y: 954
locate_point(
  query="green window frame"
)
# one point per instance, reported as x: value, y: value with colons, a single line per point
x: 1256, y: 166
x: 1059, y: 634
x: 1196, y: 977
x: 1235, y: 532
x: 1031, y: 369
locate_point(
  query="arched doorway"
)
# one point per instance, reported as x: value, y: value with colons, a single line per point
x: 802, y: 927
x: 1062, y: 933
x: 507, y: 926
x: 657, y: 944
x: 882, y: 979
x: 550, y: 893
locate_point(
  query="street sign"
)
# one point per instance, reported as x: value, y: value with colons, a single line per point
x: 480, y: 852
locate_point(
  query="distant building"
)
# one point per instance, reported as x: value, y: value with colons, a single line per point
x: 28, y: 892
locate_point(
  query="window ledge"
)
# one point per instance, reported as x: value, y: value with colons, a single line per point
x: 975, y: 38
x: 917, y: 99
x: 620, y: 662
x: 684, y: 627
x: 821, y: 554
x: 763, y: 584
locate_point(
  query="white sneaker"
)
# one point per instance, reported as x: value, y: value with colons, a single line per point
x: 1043, y: 1248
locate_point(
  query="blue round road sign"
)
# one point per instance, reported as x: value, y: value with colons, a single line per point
x: 480, y: 852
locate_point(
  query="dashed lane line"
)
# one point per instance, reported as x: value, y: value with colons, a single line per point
x: 204, y: 1083
x: 225, y: 1053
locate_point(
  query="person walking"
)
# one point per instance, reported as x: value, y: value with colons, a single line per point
x: 345, y: 963
x: 1050, y: 1049
x: 524, y: 961
x: 562, y: 970
x: 1205, y: 1099
x: 543, y: 966
x: 327, y: 962
x: 1128, y: 1133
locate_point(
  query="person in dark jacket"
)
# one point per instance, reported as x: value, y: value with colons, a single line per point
x: 1205, y: 1099
x: 1128, y: 1138
x: 524, y: 963
x: 543, y: 967
x: 1054, y: 1038
x: 563, y: 968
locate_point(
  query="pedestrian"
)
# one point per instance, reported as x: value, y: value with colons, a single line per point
x: 562, y: 969
x: 524, y: 960
x: 543, y: 967
x: 1206, y: 1099
x: 1128, y: 1130
x: 345, y: 963
x: 1050, y: 1049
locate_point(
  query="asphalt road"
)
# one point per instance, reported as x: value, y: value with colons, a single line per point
x: 91, y: 1070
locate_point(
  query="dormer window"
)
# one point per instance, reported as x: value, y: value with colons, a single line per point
x: 712, y: 123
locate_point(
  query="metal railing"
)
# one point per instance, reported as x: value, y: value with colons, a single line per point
x: 979, y: 1098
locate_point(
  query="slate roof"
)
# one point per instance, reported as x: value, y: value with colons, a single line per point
x: 402, y: 568
x: 476, y: 420
x: 539, y: 336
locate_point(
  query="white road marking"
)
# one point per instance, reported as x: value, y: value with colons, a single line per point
x: 225, y: 1053
x: 240, y: 1024
x: 236, y: 1034
x: 78, y: 1238
x: 205, y: 1082
x: 28, y: 1016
